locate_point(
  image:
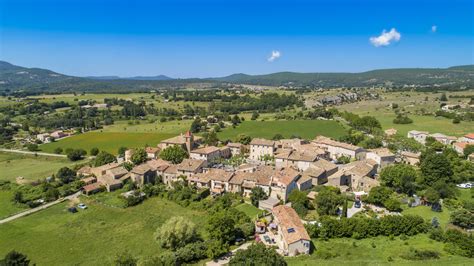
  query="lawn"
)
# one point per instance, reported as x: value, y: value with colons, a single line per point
x: 250, y: 210
x: 7, y: 207
x: 466, y: 194
x: 428, y: 214
x: 361, y: 252
x: 307, y: 129
x: 28, y: 166
x: 427, y: 123
x: 171, y: 127
x: 107, y: 141
x: 93, y: 236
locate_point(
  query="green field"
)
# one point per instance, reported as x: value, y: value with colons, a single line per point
x: 307, y: 129
x: 172, y: 127
x: 107, y: 141
x: 363, y: 253
x: 249, y: 209
x: 427, y: 123
x: 7, y: 207
x: 28, y: 166
x: 93, y: 236
x: 428, y: 214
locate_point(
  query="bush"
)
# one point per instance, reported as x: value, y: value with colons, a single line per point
x: 416, y: 254
x: 463, y: 218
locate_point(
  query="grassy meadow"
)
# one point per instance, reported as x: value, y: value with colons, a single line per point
x: 250, y: 210
x: 30, y: 167
x: 106, y: 141
x: 93, y: 236
x: 7, y: 207
x: 307, y: 129
x: 375, y: 251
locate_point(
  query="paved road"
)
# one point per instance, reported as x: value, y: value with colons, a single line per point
x: 39, y: 208
x: 353, y: 210
x: 226, y: 258
x: 34, y: 153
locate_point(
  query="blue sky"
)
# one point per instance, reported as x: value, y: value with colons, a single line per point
x: 207, y: 38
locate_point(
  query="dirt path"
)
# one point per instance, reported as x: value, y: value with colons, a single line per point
x: 39, y: 208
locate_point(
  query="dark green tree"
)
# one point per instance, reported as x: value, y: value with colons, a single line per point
x: 103, y: 158
x: 257, y: 255
x: 327, y: 202
x: 14, y: 258
x: 175, y: 154
x: 256, y: 195
x: 94, y: 151
x: 401, y: 177
x: 138, y: 156
x: 435, y: 166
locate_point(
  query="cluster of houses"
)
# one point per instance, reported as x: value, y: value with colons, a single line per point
x: 55, y: 135
x: 296, y: 164
x: 459, y: 144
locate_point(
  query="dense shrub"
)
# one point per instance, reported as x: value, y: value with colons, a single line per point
x: 359, y: 228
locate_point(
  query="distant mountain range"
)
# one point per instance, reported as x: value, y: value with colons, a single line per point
x: 36, y: 80
x: 159, y: 77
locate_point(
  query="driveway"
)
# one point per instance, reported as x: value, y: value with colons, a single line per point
x: 34, y: 153
x: 226, y: 258
x: 39, y: 208
x: 353, y: 210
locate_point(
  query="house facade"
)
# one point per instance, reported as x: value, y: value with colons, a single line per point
x: 260, y: 148
x: 291, y: 236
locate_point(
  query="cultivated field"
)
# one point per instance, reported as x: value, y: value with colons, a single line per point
x: 93, y: 236
x: 307, y: 129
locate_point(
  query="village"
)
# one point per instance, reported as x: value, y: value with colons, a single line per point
x: 277, y: 167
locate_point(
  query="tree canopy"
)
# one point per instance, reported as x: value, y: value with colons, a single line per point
x: 257, y: 255
x: 175, y: 154
x: 176, y: 233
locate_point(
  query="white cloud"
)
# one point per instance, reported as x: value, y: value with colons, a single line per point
x: 434, y: 28
x: 386, y: 38
x: 274, y: 56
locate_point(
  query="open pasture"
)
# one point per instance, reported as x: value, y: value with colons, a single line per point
x: 307, y: 129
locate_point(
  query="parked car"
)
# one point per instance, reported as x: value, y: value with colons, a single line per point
x: 239, y: 241
x: 357, y: 204
x: 465, y: 185
x: 267, y: 239
x: 82, y: 206
x: 72, y: 210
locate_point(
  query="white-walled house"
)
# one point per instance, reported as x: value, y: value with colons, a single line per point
x: 260, y: 148
x: 208, y: 154
x: 382, y: 156
x: 337, y: 149
x: 291, y: 236
x: 419, y: 136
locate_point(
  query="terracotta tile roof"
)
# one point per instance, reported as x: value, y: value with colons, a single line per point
x: 200, y: 177
x: 263, y: 142
x: 89, y: 179
x: 219, y: 175
x: 285, y: 176
x: 152, y: 150
x: 329, y: 142
x: 324, y: 164
x: 117, y: 171
x: 92, y: 187
x: 106, y: 166
x: 291, y: 227
x: 190, y: 165
x: 469, y: 136
x: 313, y: 172
x: 172, y: 169
x: 158, y: 164
x: 141, y: 169
x: 206, y: 150
x: 85, y: 170
x: 238, y: 178
x: 303, y: 179
x: 234, y: 145
x: 294, y: 155
x: 410, y: 154
x: 462, y: 145
x: 382, y: 152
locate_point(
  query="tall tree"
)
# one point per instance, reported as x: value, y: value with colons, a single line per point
x: 139, y: 156
x: 256, y: 255
x: 176, y: 233
x: 175, y: 154
x: 434, y: 167
x: 14, y: 258
x: 401, y: 177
